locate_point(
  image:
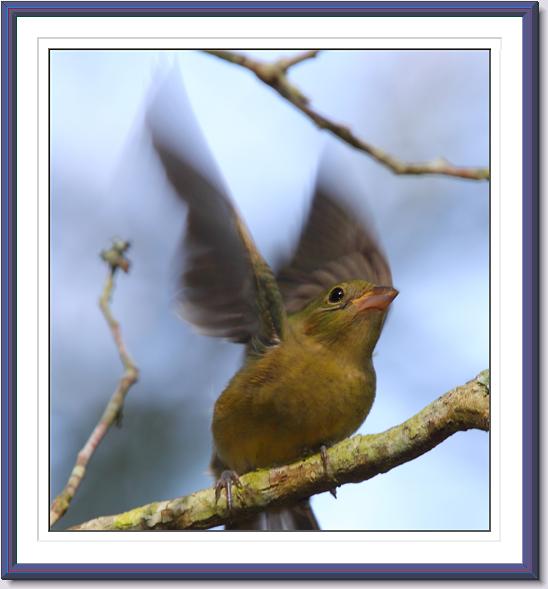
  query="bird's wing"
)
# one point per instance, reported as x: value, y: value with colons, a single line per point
x: 334, y: 247
x: 226, y: 287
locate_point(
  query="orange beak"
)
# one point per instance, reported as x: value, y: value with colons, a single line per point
x: 378, y: 298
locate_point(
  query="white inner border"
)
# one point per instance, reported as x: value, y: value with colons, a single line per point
x: 503, y: 37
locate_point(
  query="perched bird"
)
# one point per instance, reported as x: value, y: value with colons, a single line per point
x: 308, y: 380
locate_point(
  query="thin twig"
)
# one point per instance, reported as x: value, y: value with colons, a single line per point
x: 354, y: 460
x: 274, y: 75
x: 286, y: 63
x: 115, y: 258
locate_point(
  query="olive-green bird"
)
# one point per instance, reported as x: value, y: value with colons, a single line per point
x: 308, y: 380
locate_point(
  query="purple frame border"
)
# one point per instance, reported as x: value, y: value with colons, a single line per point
x: 529, y: 568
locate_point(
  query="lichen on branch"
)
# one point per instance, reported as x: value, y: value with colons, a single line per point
x: 353, y: 460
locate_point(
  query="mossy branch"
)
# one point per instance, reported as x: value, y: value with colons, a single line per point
x: 275, y: 75
x: 115, y: 258
x: 353, y: 460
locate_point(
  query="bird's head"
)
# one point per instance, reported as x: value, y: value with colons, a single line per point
x: 349, y: 315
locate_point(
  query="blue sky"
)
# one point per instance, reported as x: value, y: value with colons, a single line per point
x: 105, y: 182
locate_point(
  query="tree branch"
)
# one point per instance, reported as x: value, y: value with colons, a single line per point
x: 115, y: 258
x: 274, y: 75
x: 353, y: 460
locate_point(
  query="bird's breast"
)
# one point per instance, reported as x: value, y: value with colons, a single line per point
x: 287, y: 404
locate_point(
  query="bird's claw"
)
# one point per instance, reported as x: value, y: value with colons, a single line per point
x: 226, y: 480
x: 327, y: 469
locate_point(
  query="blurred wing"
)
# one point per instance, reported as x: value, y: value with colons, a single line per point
x: 226, y: 288
x: 334, y: 247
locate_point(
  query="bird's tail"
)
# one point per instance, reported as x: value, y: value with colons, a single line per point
x: 296, y: 517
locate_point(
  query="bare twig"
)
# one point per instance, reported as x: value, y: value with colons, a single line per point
x: 288, y: 62
x: 274, y: 75
x: 115, y: 258
x: 356, y: 459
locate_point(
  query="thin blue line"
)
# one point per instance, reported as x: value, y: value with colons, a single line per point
x: 6, y: 299
x: 285, y: 568
x: 262, y: 6
x: 8, y: 277
x: 530, y: 290
x: 5, y: 242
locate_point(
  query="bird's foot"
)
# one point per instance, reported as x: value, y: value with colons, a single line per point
x: 328, y: 470
x: 226, y: 480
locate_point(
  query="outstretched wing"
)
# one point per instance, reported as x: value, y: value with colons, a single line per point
x: 334, y: 247
x: 226, y: 288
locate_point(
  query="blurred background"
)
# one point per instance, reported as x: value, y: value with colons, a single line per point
x: 106, y: 182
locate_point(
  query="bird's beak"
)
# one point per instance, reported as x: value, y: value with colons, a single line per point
x: 379, y: 297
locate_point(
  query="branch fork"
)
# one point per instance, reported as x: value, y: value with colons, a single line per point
x: 275, y: 75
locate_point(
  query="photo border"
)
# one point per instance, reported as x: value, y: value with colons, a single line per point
x: 528, y: 11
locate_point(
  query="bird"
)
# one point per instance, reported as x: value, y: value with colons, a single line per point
x: 309, y: 328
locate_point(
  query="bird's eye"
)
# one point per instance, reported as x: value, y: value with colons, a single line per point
x: 336, y: 295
